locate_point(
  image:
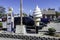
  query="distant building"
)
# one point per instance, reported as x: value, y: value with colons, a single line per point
x: 50, y: 13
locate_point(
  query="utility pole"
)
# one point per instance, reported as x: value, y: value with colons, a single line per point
x: 21, y: 12
x: 21, y: 28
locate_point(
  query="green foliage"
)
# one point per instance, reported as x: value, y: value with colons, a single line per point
x: 24, y: 14
x: 51, y: 31
x: 0, y: 14
x: 57, y: 13
x: 2, y: 11
x: 0, y: 23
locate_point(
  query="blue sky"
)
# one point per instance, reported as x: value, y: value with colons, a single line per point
x: 30, y: 4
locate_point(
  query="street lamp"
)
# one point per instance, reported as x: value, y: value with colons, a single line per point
x: 21, y: 11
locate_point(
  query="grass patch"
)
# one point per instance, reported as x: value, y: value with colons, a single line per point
x: 0, y: 23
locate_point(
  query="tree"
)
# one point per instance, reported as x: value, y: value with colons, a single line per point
x: 2, y: 11
x: 25, y: 15
x: 57, y: 13
x: 0, y: 15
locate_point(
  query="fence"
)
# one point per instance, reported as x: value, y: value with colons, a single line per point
x: 23, y: 37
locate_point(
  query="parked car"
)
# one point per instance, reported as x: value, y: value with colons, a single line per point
x: 45, y: 20
x: 43, y: 23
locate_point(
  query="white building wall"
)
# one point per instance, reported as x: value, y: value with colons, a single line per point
x: 51, y: 12
x: 48, y: 11
x: 44, y: 11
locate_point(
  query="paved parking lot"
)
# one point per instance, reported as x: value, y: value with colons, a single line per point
x: 52, y: 24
